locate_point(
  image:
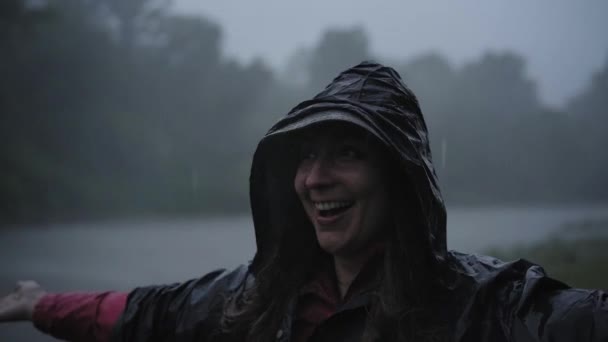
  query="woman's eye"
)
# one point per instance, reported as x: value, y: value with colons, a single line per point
x: 307, y: 154
x: 350, y: 152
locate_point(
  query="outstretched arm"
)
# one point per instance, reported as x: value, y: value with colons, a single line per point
x: 186, y: 311
x: 565, y: 315
x: 69, y: 316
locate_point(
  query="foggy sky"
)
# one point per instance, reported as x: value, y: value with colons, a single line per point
x: 564, y: 42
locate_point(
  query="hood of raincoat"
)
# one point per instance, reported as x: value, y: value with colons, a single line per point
x: 373, y: 97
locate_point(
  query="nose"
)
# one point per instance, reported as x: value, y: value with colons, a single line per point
x: 319, y: 174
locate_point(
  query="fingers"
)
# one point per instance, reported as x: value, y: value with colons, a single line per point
x: 10, y: 308
x: 19, y: 305
x: 27, y: 284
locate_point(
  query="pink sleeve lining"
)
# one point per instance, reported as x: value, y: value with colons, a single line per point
x: 80, y: 316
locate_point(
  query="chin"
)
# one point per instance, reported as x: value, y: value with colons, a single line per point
x: 336, y: 248
x: 330, y: 250
x: 331, y: 246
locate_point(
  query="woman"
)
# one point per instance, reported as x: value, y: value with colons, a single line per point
x: 351, y: 245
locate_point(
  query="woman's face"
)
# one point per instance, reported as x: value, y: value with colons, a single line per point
x: 341, y: 183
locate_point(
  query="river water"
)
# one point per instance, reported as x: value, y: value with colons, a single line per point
x: 121, y: 255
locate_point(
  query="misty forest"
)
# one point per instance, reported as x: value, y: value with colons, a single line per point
x: 120, y: 108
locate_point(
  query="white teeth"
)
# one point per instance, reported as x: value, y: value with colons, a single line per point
x: 331, y: 205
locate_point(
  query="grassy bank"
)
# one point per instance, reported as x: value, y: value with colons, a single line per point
x: 576, y: 254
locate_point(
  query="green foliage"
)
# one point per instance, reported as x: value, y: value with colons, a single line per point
x: 115, y: 107
x: 573, y: 255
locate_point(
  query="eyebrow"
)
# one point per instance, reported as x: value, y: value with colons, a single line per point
x: 311, y: 140
x: 335, y: 132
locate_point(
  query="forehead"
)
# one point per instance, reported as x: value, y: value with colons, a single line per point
x: 330, y: 132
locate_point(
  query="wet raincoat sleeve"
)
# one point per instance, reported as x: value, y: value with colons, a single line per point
x: 562, y: 315
x: 188, y: 311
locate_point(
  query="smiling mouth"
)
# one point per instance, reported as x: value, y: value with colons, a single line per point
x: 332, y: 208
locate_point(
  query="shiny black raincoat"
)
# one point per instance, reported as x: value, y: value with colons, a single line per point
x: 489, y: 300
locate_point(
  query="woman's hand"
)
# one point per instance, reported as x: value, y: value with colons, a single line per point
x: 19, y: 305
